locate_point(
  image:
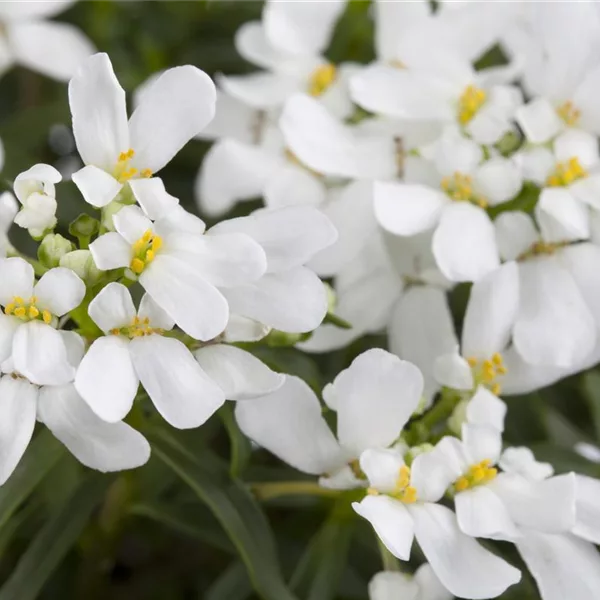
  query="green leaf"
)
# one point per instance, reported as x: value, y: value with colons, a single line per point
x: 54, y: 540
x: 591, y: 390
x: 41, y: 456
x: 233, y: 584
x: 236, y: 510
x: 318, y: 574
x: 241, y: 449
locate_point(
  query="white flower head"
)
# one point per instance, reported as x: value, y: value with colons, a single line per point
x: 28, y: 325
x: 115, y: 151
x: 425, y: 585
x: 179, y: 266
x: 35, y: 191
x: 8, y: 211
x: 96, y: 444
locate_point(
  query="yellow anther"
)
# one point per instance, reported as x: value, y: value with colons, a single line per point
x: 137, y: 265
x: 146, y: 321
x: 469, y: 103
x: 321, y: 78
x: 372, y: 492
x: 27, y: 311
x: 34, y: 312
x: 459, y: 187
x: 147, y: 173
x: 497, y: 358
x: 404, y: 477
x: 461, y: 484
x: 125, y: 156
x: 488, y: 370
x: 18, y: 300
x: 115, y: 331
x: 409, y: 495
x: 569, y: 113
x: 496, y: 389
x: 477, y: 474
x: 20, y: 312
x: 137, y: 328
x: 157, y: 243
x: 147, y: 236
x: 47, y: 317
x: 566, y: 173
x: 10, y: 308
x: 149, y: 256
x: 472, y: 361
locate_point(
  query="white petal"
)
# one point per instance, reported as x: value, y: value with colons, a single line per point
x: 226, y: 260
x: 263, y: 90
x: 453, y: 371
x: 482, y: 442
x: 453, y: 152
x: 431, y: 475
x: 242, y: 329
x: 131, y: 223
x: 180, y: 103
x: 539, y: 121
x: 75, y: 346
x: 59, y: 290
x: 195, y: 305
x: 231, y: 172
x: 95, y: 443
x: 587, y: 190
x: 342, y: 479
x: 582, y: 99
x: 238, y: 373
x: 179, y: 219
x: 39, y: 353
x: 554, y: 326
x: 461, y: 564
x: 464, y: 244
x: 99, y: 114
x: 491, y: 312
x: 485, y: 408
x: 252, y: 44
x: 153, y: 198
x: 382, y: 468
x: 498, y: 180
x: 17, y: 11
x: 562, y: 565
x: 391, y: 521
x: 515, y: 234
x: 588, y: 511
x: 293, y: 301
x: 430, y: 586
x: 378, y: 394
x: 561, y: 216
x: 289, y: 423
x: 112, y: 308
x: 8, y: 326
x: 405, y: 209
x: 536, y: 163
x: 16, y: 279
x: 481, y: 514
x: 328, y: 146
x: 54, y: 49
x: 179, y: 389
x: 293, y: 186
x: 18, y: 403
x: 39, y: 178
x: 154, y: 313
x: 106, y: 379
x: 301, y: 28
x: 233, y: 119
x: 390, y: 585
x: 111, y: 251
x: 521, y: 461
x: 575, y: 143
x: 290, y: 236
x: 421, y: 330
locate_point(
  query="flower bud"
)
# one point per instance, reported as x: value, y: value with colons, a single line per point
x: 108, y: 213
x: 458, y: 417
x: 53, y: 247
x: 82, y: 263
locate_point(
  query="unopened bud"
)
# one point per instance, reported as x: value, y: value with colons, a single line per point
x: 52, y: 248
x: 82, y: 263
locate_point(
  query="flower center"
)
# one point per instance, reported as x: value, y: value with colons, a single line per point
x: 124, y: 172
x: 137, y: 328
x: 144, y: 251
x: 321, y: 78
x: 470, y: 101
x: 569, y: 113
x: 541, y: 248
x: 27, y: 310
x: 459, y: 187
x: 402, y: 491
x: 486, y: 371
x: 477, y: 474
x: 566, y: 173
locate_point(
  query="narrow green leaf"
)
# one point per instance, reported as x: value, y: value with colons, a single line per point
x: 591, y: 390
x: 233, y: 584
x: 318, y: 574
x: 43, y: 454
x: 236, y: 510
x: 241, y: 449
x: 54, y: 540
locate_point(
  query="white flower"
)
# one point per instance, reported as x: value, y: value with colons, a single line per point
x: 35, y: 191
x: 558, y: 315
x: 558, y: 49
x: 453, y: 201
x: 289, y: 296
x: 135, y: 349
x: 390, y: 585
x: 373, y: 398
x: 52, y: 48
x: 174, y: 109
x: 288, y: 43
x: 487, y: 327
x: 8, y: 211
x: 570, y: 178
x: 28, y: 326
x: 401, y: 504
x: 179, y: 266
x: 96, y: 444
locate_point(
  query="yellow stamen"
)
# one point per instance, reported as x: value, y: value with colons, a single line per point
x: 321, y: 78
x: 459, y: 187
x: 47, y: 317
x: 566, y: 173
x: 471, y: 100
x: 33, y: 312
x: 569, y: 113
x: 20, y: 312
x: 27, y: 310
x: 147, y: 173
x: 486, y: 371
x: 137, y: 265
x: 137, y: 328
x: 144, y: 251
x: 477, y: 474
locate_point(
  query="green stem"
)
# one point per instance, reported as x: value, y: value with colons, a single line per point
x: 388, y: 560
x: 269, y: 490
